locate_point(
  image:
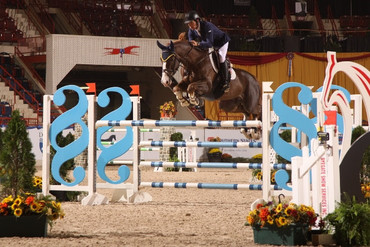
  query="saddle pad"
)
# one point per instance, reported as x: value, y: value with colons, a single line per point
x: 232, y: 71
x: 233, y: 74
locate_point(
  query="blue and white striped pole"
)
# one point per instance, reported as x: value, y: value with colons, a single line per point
x: 201, y: 144
x: 179, y: 123
x: 206, y: 186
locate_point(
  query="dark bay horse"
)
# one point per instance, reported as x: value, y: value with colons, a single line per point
x: 201, y: 82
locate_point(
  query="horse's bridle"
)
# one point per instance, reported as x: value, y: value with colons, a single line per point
x: 172, y: 71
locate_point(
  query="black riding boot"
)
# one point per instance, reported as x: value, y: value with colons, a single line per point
x: 225, y: 78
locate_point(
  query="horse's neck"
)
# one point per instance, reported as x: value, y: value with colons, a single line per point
x: 194, y: 59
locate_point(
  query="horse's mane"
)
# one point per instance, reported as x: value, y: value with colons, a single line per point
x: 186, y: 43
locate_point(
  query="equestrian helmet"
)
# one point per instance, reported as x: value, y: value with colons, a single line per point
x: 191, y: 16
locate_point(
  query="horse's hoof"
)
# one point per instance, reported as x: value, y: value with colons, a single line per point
x: 194, y: 101
x: 251, y: 133
x: 184, y: 103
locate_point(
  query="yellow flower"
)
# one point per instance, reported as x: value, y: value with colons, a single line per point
x: 34, y: 207
x: 270, y: 220
x: 8, y: 199
x: 18, y: 201
x: 282, y: 221
x: 18, y: 212
x: 214, y: 150
x: 259, y: 175
x: 14, y: 206
x: 55, y: 216
x: 250, y: 219
x: 277, y: 222
x: 279, y: 208
x: 257, y: 156
x: 287, y: 211
x: 273, y: 177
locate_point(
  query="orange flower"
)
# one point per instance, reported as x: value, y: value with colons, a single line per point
x: 29, y: 200
x: 264, y: 213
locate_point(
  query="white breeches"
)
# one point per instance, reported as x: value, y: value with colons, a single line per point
x: 223, y: 51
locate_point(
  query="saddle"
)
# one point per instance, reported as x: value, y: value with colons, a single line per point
x: 215, y: 61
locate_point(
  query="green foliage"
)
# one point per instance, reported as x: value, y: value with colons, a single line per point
x: 63, y: 141
x: 177, y: 136
x: 365, y: 171
x: 17, y: 162
x: 240, y: 160
x: 351, y: 221
x: 286, y: 135
x: 357, y: 132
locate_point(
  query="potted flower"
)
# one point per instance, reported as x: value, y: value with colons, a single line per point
x: 214, y: 154
x: 168, y: 110
x: 281, y: 223
x: 226, y: 157
x: 28, y: 215
x: 22, y: 212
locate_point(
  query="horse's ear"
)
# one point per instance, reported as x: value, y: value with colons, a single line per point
x: 162, y: 47
x: 171, y: 46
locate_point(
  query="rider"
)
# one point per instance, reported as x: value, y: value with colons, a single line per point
x: 206, y: 35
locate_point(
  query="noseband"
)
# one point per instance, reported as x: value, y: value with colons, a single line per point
x: 170, y: 72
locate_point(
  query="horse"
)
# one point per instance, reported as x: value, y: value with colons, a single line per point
x: 202, y: 81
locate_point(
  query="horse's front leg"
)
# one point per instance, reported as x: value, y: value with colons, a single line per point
x: 180, y: 92
x: 198, y: 89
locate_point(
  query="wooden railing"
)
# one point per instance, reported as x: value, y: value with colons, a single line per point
x: 276, y: 21
x: 318, y: 19
x: 333, y: 25
x: 24, y: 48
x: 19, y: 90
x: 46, y: 20
x: 163, y: 16
x: 289, y: 18
x: 33, y: 17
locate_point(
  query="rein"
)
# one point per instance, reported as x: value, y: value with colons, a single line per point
x: 187, y: 55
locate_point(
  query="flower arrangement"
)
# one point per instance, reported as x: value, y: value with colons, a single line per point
x: 29, y: 204
x: 257, y: 173
x: 168, y: 109
x: 214, y: 139
x: 281, y: 214
x: 214, y: 154
x: 214, y: 150
x: 365, y: 189
x: 37, y: 182
x: 226, y: 157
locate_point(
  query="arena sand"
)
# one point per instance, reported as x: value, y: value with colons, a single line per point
x: 175, y: 217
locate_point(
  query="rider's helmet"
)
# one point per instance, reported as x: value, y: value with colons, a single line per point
x: 191, y: 16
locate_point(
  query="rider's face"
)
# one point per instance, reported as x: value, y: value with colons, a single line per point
x: 192, y: 25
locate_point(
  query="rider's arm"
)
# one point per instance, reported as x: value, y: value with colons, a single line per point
x: 207, y: 41
x: 192, y: 35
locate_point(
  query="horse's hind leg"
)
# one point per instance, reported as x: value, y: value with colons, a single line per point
x: 253, y: 133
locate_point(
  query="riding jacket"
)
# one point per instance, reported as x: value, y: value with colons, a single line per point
x: 210, y: 35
